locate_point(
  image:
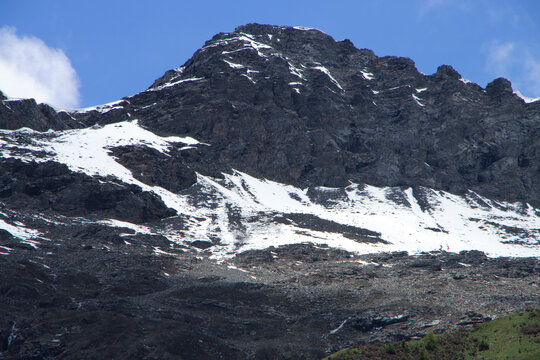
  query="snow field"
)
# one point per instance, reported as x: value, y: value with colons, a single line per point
x: 451, y: 222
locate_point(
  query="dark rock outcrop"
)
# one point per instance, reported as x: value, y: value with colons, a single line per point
x: 53, y: 187
x: 154, y: 168
x: 15, y: 114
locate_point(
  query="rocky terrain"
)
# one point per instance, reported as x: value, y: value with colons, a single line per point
x: 280, y: 195
x: 95, y: 300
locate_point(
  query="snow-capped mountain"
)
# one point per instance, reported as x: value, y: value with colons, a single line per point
x: 270, y: 138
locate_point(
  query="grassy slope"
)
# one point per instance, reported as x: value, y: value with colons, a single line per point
x: 512, y: 337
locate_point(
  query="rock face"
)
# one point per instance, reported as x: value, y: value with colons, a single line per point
x: 345, y: 195
x: 15, y: 114
x: 298, y: 107
x: 52, y: 187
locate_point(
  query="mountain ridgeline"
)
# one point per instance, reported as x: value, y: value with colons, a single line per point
x: 295, y: 106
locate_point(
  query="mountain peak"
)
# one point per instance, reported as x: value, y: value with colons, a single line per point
x: 499, y: 87
x: 263, y: 29
x: 447, y: 72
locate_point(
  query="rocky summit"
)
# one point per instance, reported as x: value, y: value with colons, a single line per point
x: 281, y: 195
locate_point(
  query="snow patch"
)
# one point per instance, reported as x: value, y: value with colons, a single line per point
x: 432, y: 323
x: 105, y: 108
x: 237, y: 268
x: 19, y: 231
x: 174, y: 83
x: 296, y: 71
x: 303, y: 28
x: 233, y: 65
x: 140, y: 229
x: 368, y: 208
x: 339, y: 327
x: 527, y: 99
x: 294, y: 84
x: 417, y: 99
x: 248, y: 43
x: 250, y: 78
x: 327, y: 72
x: 157, y: 251
x: 367, y: 75
x: 86, y: 150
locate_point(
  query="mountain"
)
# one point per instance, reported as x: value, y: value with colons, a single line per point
x: 280, y: 195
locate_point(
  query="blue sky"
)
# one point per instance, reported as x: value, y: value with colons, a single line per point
x: 78, y: 54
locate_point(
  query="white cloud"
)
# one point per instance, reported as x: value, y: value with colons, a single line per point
x: 501, y: 57
x: 427, y: 6
x: 515, y: 62
x: 532, y: 67
x: 503, y: 14
x: 31, y: 69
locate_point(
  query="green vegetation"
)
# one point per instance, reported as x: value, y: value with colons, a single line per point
x: 512, y: 337
x: 346, y: 354
x: 430, y: 341
x: 389, y: 348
